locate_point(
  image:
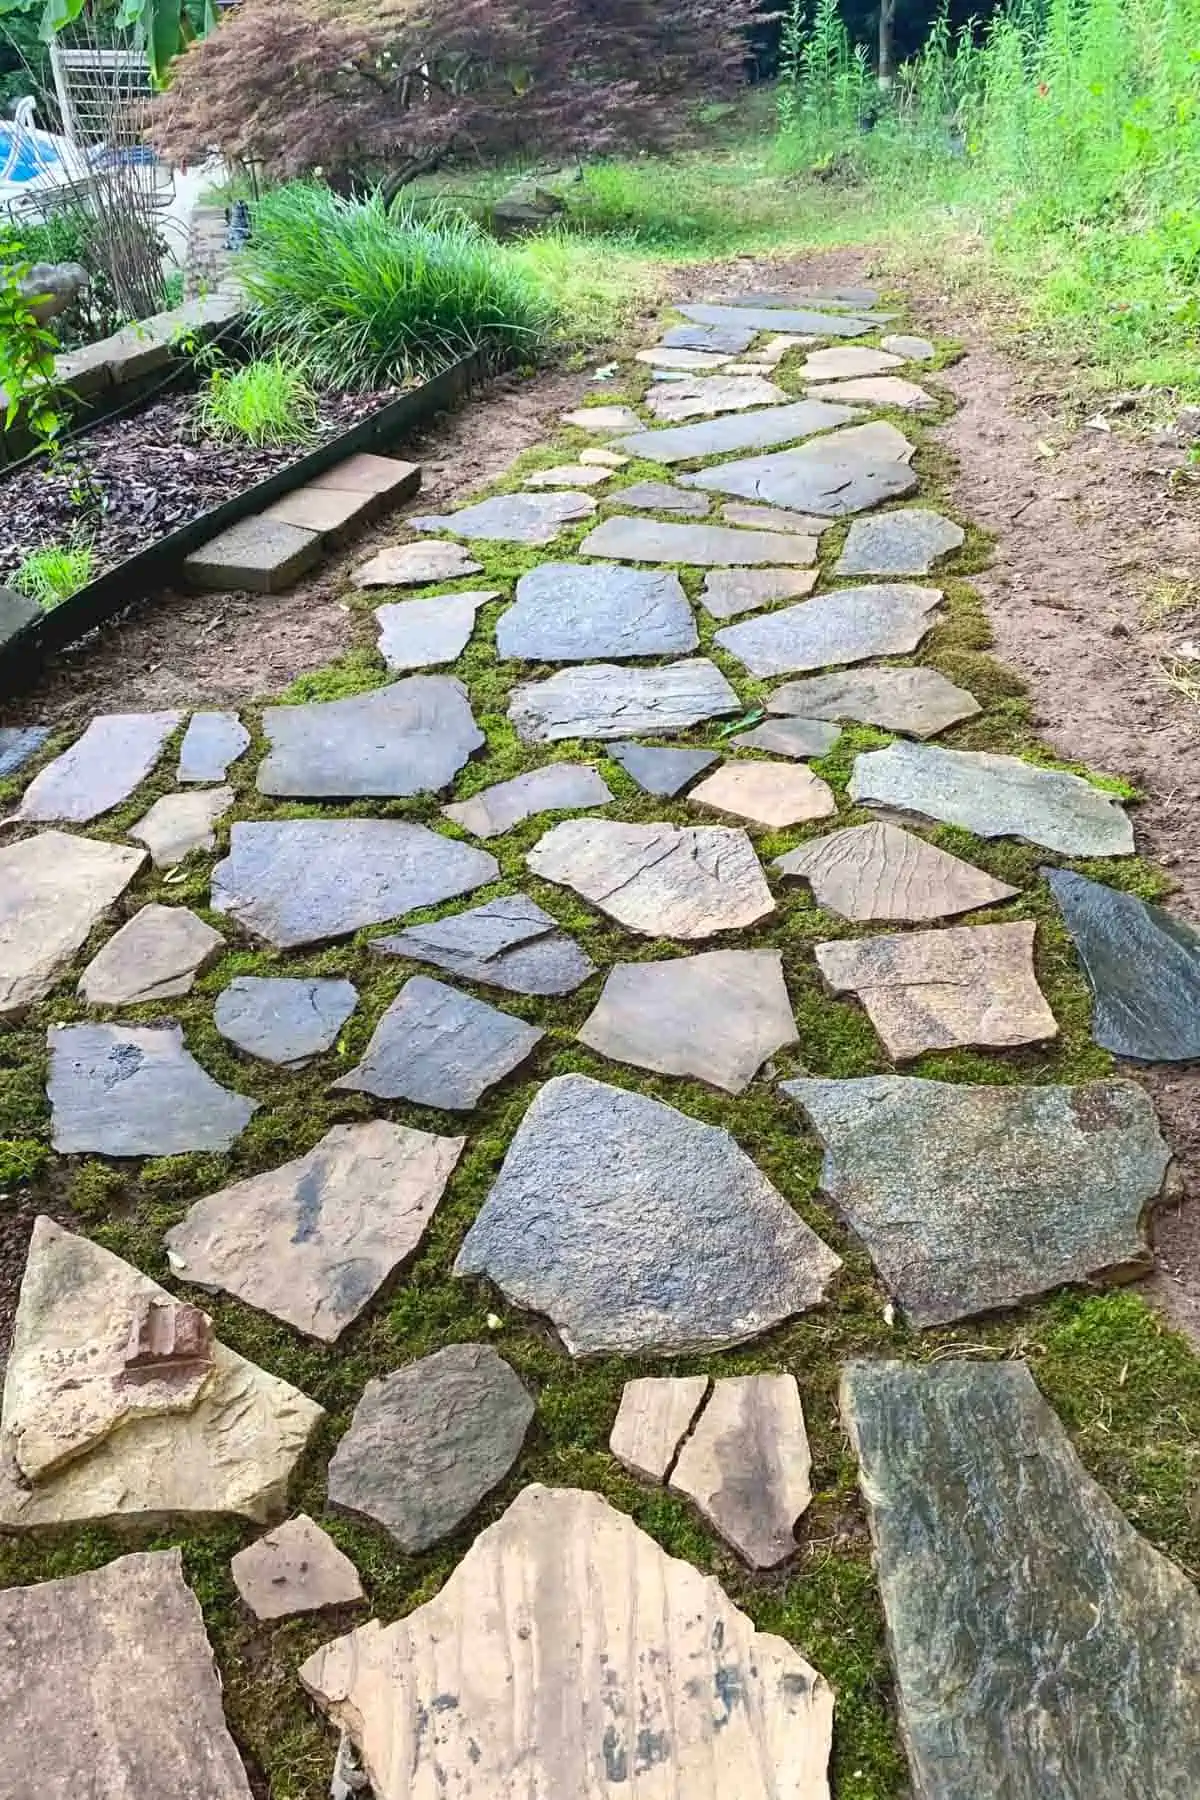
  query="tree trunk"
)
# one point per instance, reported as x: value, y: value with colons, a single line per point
x: 409, y: 172
x: 887, y: 55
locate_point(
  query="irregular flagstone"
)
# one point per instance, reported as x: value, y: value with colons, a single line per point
x: 568, y: 475
x: 439, y: 1047
x: 697, y: 1703
x: 880, y: 872
x: 312, y: 1242
x: 846, y: 361
x: 994, y: 796
x: 297, y: 1568
x: 836, y: 298
x: 156, y: 956
x: 661, y: 496
x: 738, y: 431
x: 789, y: 737
x: 153, y: 1415
x: 936, y: 990
x: 101, y: 769
x: 603, y: 700
x: 747, y: 1465
x: 712, y: 394
x: 512, y: 518
x: 821, y: 477
x: 906, y: 542
x: 133, y: 1709
x: 180, y: 823
x: 569, y: 612
x: 730, y: 339
x: 660, y: 770
x: 717, y: 1016
x: 130, y: 1090
x: 728, y: 592
x: 703, y: 546
x: 766, y: 793
x: 654, y: 1417
x: 556, y: 787
x: 637, y: 1229
x: 507, y: 943
x: 848, y: 625
x: 418, y: 634
x: 284, y: 1019
x: 602, y: 459
x: 429, y: 1441
x: 1143, y: 967
x: 779, y: 346
x: 603, y: 418
x: 19, y: 744
x: 1001, y: 1561
x: 212, y: 742
x: 410, y: 565
x: 972, y: 1198
x: 782, y: 318
x: 663, y: 880
x: 664, y: 357
x: 880, y: 390
x: 409, y: 738
x: 912, y: 349
x: 774, y: 518
x: 53, y: 889
x: 918, y: 701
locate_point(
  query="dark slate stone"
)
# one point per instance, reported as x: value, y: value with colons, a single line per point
x: 1042, y: 1647
x: 410, y: 738
x: 438, y: 1047
x: 661, y: 496
x: 126, y: 1090
x: 818, y: 480
x: 513, y: 518
x: 101, y: 769
x: 781, y: 318
x: 838, y: 299
x: 212, y: 741
x: 906, y: 542
x: 845, y: 626
x: 569, y: 612
x: 17, y: 612
x: 1143, y: 966
x: 428, y: 1442
x: 607, y: 700
x: 730, y: 340
x: 507, y: 943
x: 18, y: 744
x: 285, y: 1019
x: 790, y: 737
x: 555, y: 787
x: 737, y: 431
x: 661, y: 770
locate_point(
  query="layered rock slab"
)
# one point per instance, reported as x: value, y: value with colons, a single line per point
x: 846, y: 626
x: 439, y: 1047
x: 409, y: 738
x: 419, y: 634
x: 845, y: 362
x: 604, y: 700
x: 747, y: 1463
x: 507, y: 943
x: 835, y: 475
x: 661, y: 496
x: 101, y: 769
x: 919, y: 701
x: 728, y: 592
x: 513, y: 518
x: 881, y: 872
x: 297, y: 1568
x: 129, y: 1090
x: 701, y: 546
x: 602, y: 418
x: 779, y: 318
x: 555, y: 787
x: 568, y: 612
x: 412, y: 565
x: 730, y: 340
x: 880, y: 390
x: 212, y: 742
x: 713, y: 394
x: 766, y: 793
x: 905, y: 542
x: 53, y: 889
x: 659, y: 769
x: 738, y: 431
x: 180, y: 823
x: 284, y: 1019
x: 662, y: 880
x: 19, y: 743
x: 567, y: 475
x: 654, y: 1417
x: 789, y: 737
x: 156, y: 956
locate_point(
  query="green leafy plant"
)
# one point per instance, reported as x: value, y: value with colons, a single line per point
x: 161, y: 29
x: 27, y: 370
x: 54, y: 572
x: 265, y: 402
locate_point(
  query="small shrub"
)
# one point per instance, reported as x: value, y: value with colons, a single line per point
x: 20, y: 1160
x: 55, y: 572
x: 266, y: 402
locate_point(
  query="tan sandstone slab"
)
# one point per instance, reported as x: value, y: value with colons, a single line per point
x: 767, y: 793
x: 878, y: 871
x: 180, y: 823
x: 654, y: 1416
x: 879, y: 390
x: 663, y: 880
x: 156, y: 956
x: 411, y: 565
x: 728, y: 592
x: 918, y: 701
x: 774, y: 518
x: 603, y: 459
x: 747, y: 1465
x: 843, y: 362
x: 664, y: 357
x: 603, y: 418
x: 297, y: 1568
x: 53, y: 889
x: 568, y: 475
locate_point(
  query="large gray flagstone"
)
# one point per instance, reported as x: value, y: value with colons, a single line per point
x: 133, y: 1090
x: 156, y: 956
x: 211, y: 743
x: 912, y: 349
x: 737, y: 431
x: 410, y: 738
x: 848, y: 625
x: 994, y: 796
x: 835, y: 475
x: 747, y: 1465
x: 837, y: 299
x: 661, y: 770
x: 774, y: 518
x: 102, y: 768
x: 1041, y: 1646
x: 513, y: 518
x: 177, y: 824
x: 639, y: 1230
x: 662, y: 880
x: 507, y: 943
x: 296, y: 1568
x: 730, y: 340
x: 604, y: 700
x: 712, y: 394
x: 571, y: 612
x: 844, y: 362
x: 905, y: 542
x: 439, y: 1047
x: 692, y: 362
x: 53, y: 889
x: 284, y: 1019
x: 781, y: 318
x: 556, y: 787
x: 918, y: 701
x: 418, y: 634
x: 728, y: 592
x: 973, y: 1198
x: 19, y: 743
x: 660, y: 496
x: 703, y: 546
x: 878, y: 871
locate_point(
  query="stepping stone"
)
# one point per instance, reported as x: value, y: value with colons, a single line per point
x: 638, y: 1230
x: 654, y: 1417
x: 125, y: 1406
x: 730, y: 340
x: 54, y: 888
x: 134, y: 1708
x: 438, y: 1047
x: 780, y: 318
x: 907, y: 542
x: 789, y: 737
x: 17, y: 745
x: 664, y: 357
x: 256, y: 556
x: 774, y: 518
x: 779, y: 346
x: 512, y: 518
x: 717, y: 1016
x: 556, y: 787
x: 180, y: 823
x: 604, y: 700
x: 994, y: 1542
x: 766, y: 793
x: 383, y: 477
x: 297, y: 1568
x: 411, y: 565
x: 698, y: 1702
x: 880, y: 872
x: 880, y: 390
x: 566, y: 612
x: 659, y: 770
x: 835, y: 298
x: 920, y: 701
x: 312, y: 1242
x: 284, y: 1020
x: 662, y: 880
x: 603, y: 418
x: 568, y: 475
x: 848, y: 625
x: 728, y: 592
x: 939, y: 990
x: 603, y: 459
x: 747, y: 1466
x: 1142, y: 965
x: 156, y: 956
x: 418, y: 634
x: 737, y: 431
x: 429, y: 1441
x: 912, y: 349
x: 661, y: 496
x: 994, y: 796
x: 101, y: 769
x: 846, y: 361
x: 876, y: 441
x: 133, y: 1090
x: 409, y: 738
x: 701, y: 546
x: 507, y: 943
x: 828, y: 476
x: 212, y: 742
x: 712, y: 394
x: 973, y: 1198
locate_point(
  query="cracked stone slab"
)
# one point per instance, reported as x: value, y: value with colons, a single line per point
x: 284, y: 1019
x: 728, y: 592
x: 736, y: 431
x: 880, y: 872
x: 994, y: 796
x: 156, y: 956
x: 439, y: 1047
x: 180, y: 823
x: 569, y: 612
x: 789, y: 737
x: 568, y: 475
x: 297, y: 1568
x: 212, y: 743
x: 905, y: 542
x: 845, y: 626
x: 781, y: 318
x: 152, y: 1416
x: 841, y: 473
x: 845, y: 362
x: 919, y: 701
x: 658, y: 769
x: 702, y: 546
x: 662, y: 880
x: 556, y: 787
x: 508, y: 943
x: 880, y: 390
x: 690, y: 360
x: 937, y: 990
x: 604, y: 700
x: 994, y: 1544
x: 603, y: 418
x: 717, y: 1016
x: 429, y: 1441
x: 312, y: 1242
x: 409, y: 738
x: 419, y: 634
x: 133, y: 1090
x: 766, y: 793
x: 712, y: 394
x: 973, y: 1198
x: 728, y: 340
x: 912, y: 349
x: 53, y: 889
x: 654, y: 1417
x: 747, y: 1465
x: 101, y: 769
x: 411, y: 565
x: 637, y: 1229
x: 19, y: 744
x: 661, y: 496
x: 513, y: 518
x: 774, y: 518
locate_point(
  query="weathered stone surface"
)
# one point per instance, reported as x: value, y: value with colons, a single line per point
x: 912, y: 349
x: 108, y: 1679
x: 602, y: 459
x: 848, y: 625
x: 411, y: 565
x: 180, y: 823
x: 512, y: 518
x: 698, y: 1703
x: 838, y: 474
x: 780, y: 345
x: 717, y: 1016
x: 297, y: 1568
x: 639, y: 1230
x: 418, y: 634
x: 335, y: 514
x: 880, y: 390
x: 747, y: 1465
x: 101, y: 769
x: 53, y: 889
x: 781, y: 318
x: 187, y: 1427
x: 880, y: 872
x: 383, y: 477
x: 660, y: 770
x: 313, y: 1241
x: 507, y: 943
x: 284, y: 1019
x: 663, y: 880
x: 774, y: 518
x: 703, y: 546
x: 907, y: 542
x: 603, y: 418
x: 918, y: 701
x: 846, y: 361
x: 19, y: 743
x: 258, y: 555
x: 664, y: 357
x: 836, y: 299
x: 156, y: 956
x: 429, y: 1441
x: 603, y: 700
x: 212, y: 742
x: 1003, y: 1563
x: 133, y: 1090
x: 710, y: 395
x: 731, y: 340
x: 568, y: 475
x: 661, y: 496
x: 728, y: 592
x: 766, y: 793
x: 410, y: 738
x: 737, y: 431
x: 439, y: 1047
x: 17, y: 613
x: 994, y: 796
x: 971, y: 1198
x: 556, y: 787
x: 789, y: 737
x: 568, y: 612
x: 653, y: 1420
